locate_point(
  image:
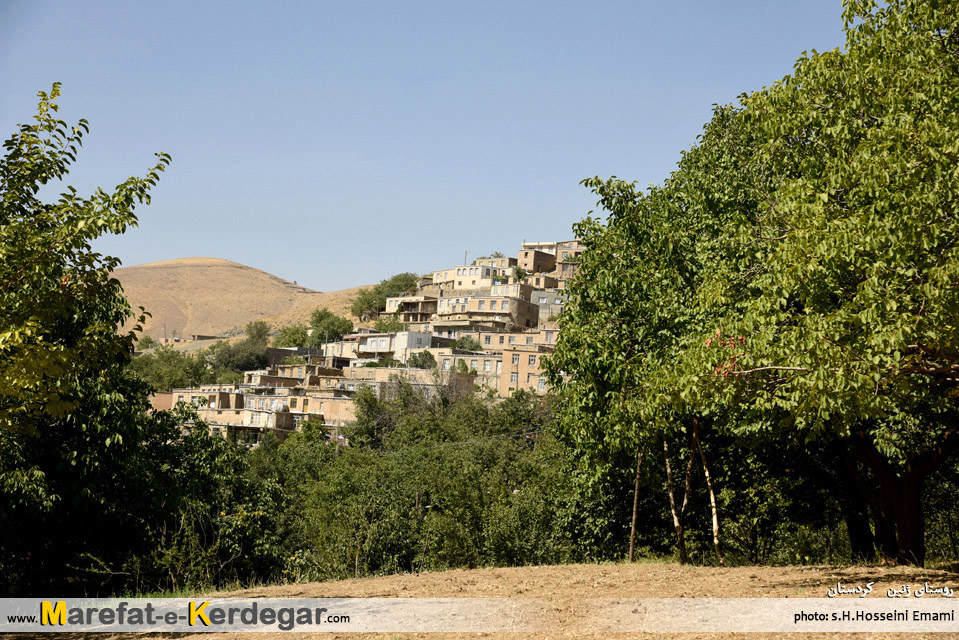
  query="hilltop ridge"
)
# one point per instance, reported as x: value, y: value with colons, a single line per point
x: 206, y: 295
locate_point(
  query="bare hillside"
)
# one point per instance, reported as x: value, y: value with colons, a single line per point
x: 212, y: 296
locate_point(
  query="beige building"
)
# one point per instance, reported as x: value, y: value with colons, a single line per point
x: 534, y: 261
x: 503, y: 266
x: 513, y: 290
x: 522, y: 370
x: 464, y: 278
x: 486, y: 312
x: 411, y: 309
x: 567, y: 261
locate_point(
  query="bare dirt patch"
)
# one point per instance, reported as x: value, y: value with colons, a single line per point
x: 566, y: 592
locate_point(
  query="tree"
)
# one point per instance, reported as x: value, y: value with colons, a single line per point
x: 328, y: 327
x: 793, y: 277
x: 387, y: 325
x: 519, y: 274
x: 469, y: 343
x: 165, y: 368
x: 421, y: 360
x: 258, y: 331
x: 294, y: 335
x: 59, y: 307
x: 370, y: 302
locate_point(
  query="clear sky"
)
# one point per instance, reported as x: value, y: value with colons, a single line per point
x: 338, y: 143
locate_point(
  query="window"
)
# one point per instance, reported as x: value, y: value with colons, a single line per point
x: 473, y: 364
x: 446, y: 364
x: 542, y: 300
x: 487, y: 365
x: 306, y: 404
x: 482, y: 305
x: 512, y: 339
x: 513, y: 377
x: 532, y: 361
x: 515, y: 358
x: 492, y: 305
x: 541, y: 385
x: 529, y: 340
x: 293, y: 402
x: 499, y: 367
x: 501, y: 339
x: 487, y: 339
x: 549, y: 336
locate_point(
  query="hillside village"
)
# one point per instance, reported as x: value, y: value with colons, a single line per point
x: 507, y: 306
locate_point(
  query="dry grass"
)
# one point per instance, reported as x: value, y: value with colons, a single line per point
x: 213, y: 296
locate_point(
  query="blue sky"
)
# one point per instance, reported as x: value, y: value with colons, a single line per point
x: 338, y: 143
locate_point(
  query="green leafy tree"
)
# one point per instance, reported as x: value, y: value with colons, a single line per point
x: 519, y: 274
x: 421, y: 360
x: 328, y: 327
x: 294, y: 335
x: 387, y: 325
x: 468, y: 343
x: 793, y: 277
x: 59, y: 307
x: 258, y: 331
x: 165, y: 368
x: 370, y: 302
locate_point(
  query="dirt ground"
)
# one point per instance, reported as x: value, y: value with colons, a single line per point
x: 565, y: 591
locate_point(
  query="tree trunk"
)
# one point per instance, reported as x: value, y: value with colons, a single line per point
x: 678, y: 514
x: 910, y: 528
x: 900, y: 494
x: 855, y: 508
x: 712, y: 494
x: 632, y: 530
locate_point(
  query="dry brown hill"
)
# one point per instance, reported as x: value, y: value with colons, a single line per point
x: 213, y: 296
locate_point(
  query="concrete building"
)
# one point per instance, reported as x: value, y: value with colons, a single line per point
x: 534, y: 261
x: 522, y: 370
x: 567, y: 261
x: 376, y: 346
x: 464, y: 278
x: 550, y: 303
x: 412, y: 309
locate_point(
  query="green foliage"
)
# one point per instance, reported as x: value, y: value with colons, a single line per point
x: 426, y: 484
x: 328, y: 327
x: 165, y: 368
x: 387, y: 325
x: 519, y: 274
x: 294, y: 335
x: 258, y: 331
x: 237, y: 357
x: 370, y: 302
x: 146, y: 342
x: 795, y: 274
x: 468, y: 343
x: 59, y: 307
x: 421, y: 360
x: 494, y: 255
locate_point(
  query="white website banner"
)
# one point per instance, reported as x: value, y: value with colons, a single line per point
x: 480, y: 615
